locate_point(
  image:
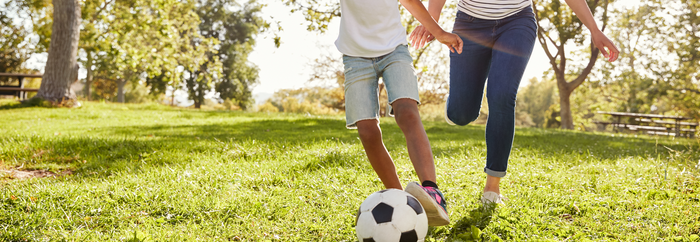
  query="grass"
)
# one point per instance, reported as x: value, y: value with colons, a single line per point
x: 154, y: 173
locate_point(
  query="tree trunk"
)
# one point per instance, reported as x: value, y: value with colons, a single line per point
x: 567, y: 120
x: 63, y: 53
x: 120, y: 90
x: 89, y: 78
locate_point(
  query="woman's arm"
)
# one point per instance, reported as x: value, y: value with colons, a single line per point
x: 453, y: 42
x: 420, y: 35
x: 601, y: 41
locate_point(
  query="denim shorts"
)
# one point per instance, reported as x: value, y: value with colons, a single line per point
x: 362, y: 81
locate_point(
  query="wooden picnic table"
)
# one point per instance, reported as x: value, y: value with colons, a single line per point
x: 660, y: 122
x: 19, y: 90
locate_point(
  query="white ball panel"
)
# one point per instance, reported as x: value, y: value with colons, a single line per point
x: 365, y: 226
x: 394, y: 197
x: 421, y: 226
x: 404, y: 218
x: 386, y: 232
x: 370, y: 202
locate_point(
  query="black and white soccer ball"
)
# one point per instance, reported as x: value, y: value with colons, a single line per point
x: 391, y: 215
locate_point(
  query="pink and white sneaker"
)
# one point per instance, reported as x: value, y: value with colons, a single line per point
x: 433, y: 202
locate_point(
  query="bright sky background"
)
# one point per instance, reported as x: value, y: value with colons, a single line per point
x: 289, y: 66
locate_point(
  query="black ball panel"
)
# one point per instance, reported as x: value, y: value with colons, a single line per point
x: 382, y: 213
x: 410, y: 236
x: 414, y: 204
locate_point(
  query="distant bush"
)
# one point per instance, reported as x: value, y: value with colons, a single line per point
x: 138, y: 94
x: 268, y: 108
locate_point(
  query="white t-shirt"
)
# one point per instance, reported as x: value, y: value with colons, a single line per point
x: 492, y: 9
x: 370, y: 28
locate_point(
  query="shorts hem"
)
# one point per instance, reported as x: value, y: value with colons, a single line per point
x: 353, y: 125
x: 406, y: 97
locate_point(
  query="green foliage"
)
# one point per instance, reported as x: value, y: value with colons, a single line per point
x: 268, y: 107
x: 657, y: 71
x: 552, y: 118
x: 313, y: 100
x: 14, y: 49
x: 318, y: 13
x: 535, y: 99
x: 138, y: 93
x: 235, y: 32
x: 154, y: 173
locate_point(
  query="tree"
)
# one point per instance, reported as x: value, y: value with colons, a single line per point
x: 14, y: 49
x: 658, y: 72
x: 686, y: 49
x: 235, y: 32
x: 127, y: 41
x: 558, y: 26
x: 535, y: 98
x: 61, y: 66
x: 632, y: 84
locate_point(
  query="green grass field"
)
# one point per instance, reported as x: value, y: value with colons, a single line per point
x: 153, y: 173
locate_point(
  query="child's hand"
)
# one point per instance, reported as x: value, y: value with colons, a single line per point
x: 453, y: 41
x: 419, y: 36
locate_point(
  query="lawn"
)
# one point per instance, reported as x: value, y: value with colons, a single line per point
x: 154, y: 173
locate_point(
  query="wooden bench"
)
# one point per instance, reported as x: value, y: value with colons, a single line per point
x: 654, y: 124
x: 18, y: 90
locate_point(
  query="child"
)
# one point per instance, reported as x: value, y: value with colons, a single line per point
x: 373, y: 43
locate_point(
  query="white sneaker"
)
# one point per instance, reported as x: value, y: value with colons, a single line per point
x: 492, y: 197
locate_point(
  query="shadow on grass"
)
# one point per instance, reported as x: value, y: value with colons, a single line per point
x: 560, y: 144
x: 468, y: 228
x: 130, y: 147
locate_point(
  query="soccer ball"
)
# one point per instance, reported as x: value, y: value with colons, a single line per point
x: 391, y: 215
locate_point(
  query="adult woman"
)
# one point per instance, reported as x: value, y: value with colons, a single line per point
x: 498, y: 37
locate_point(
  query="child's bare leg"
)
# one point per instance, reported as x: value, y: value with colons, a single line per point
x: 408, y: 119
x: 383, y: 165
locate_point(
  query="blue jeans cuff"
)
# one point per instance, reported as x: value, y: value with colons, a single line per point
x: 494, y: 173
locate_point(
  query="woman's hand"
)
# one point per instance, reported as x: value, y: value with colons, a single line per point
x: 420, y: 36
x: 602, y: 42
x: 453, y: 41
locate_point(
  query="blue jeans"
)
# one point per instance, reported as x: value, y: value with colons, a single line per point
x: 497, y: 50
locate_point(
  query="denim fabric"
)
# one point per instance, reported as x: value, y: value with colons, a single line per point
x: 362, y: 81
x: 494, y: 55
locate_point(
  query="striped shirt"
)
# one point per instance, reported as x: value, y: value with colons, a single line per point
x: 492, y: 9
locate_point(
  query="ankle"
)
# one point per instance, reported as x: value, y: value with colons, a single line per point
x: 492, y: 184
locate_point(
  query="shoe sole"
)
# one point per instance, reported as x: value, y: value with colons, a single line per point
x: 436, y: 215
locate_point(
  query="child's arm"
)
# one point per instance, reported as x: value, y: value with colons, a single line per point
x: 599, y: 39
x: 453, y: 42
x: 420, y: 36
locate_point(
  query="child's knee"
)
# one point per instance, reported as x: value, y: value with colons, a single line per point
x: 406, y: 110
x: 368, y: 129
